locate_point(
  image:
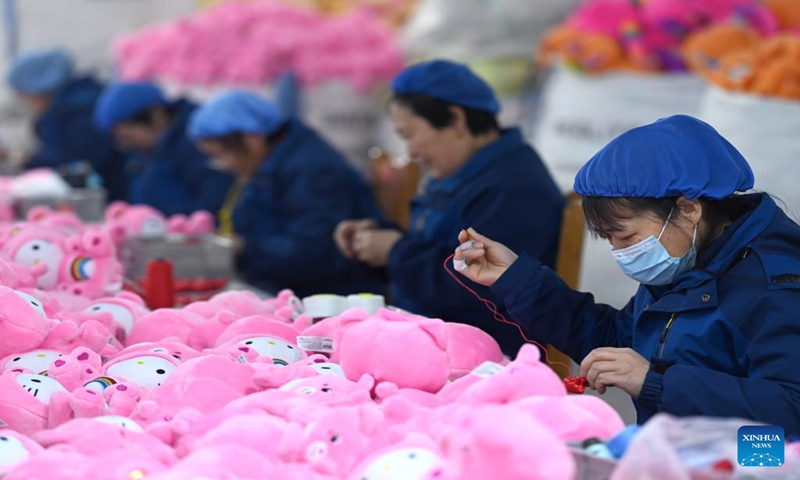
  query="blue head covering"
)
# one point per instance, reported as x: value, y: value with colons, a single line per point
x: 447, y: 81
x: 235, y: 112
x: 41, y: 72
x: 674, y: 156
x: 124, y: 100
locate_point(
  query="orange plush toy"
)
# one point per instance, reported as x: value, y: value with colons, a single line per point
x: 778, y: 72
x: 787, y: 12
x: 736, y: 71
x: 586, y: 52
x: 703, y: 51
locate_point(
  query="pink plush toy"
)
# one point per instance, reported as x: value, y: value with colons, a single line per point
x: 266, y: 336
x: 32, y: 246
x: 31, y: 403
x: 415, y: 458
x: 380, y: 347
x: 125, y: 308
x: 68, y: 222
x: 197, y: 224
x: 468, y: 347
x: 164, y: 323
x: 135, y: 221
x: 497, y: 441
x: 205, y: 384
x: 16, y: 276
x: 218, y: 462
x: 334, y: 327
x: 338, y: 441
x: 145, y: 369
x: 15, y: 448
x: 526, y: 376
x: 574, y: 418
x: 99, y: 435
x: 24, y: 327
x: 91, y: 267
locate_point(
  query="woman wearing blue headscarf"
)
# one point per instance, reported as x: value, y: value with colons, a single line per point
x: 481, y: 175
x: 713, y: 329
x: 294, y: 188
x: 63, y: 104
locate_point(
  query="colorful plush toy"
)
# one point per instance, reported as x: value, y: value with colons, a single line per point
x: 91, y: 267
x: 15, y: 448
x: 125, y: 308
x: 703, y: 50
x: 266, y: 336
x: 33, y: 245
x: 787, y: 13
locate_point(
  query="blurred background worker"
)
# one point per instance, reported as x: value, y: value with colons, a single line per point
x: 480, y: 175
x: 297, y: 188
x: 166, y: 171
x: 62, y: 103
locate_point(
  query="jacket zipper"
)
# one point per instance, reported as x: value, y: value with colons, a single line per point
x: 662, y: 340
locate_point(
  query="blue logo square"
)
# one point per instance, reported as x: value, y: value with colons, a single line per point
x: 761, y: 446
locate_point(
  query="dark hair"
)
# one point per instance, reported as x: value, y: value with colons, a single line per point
x: 604, y: 213
x: 146, y: 117
x: 439, y: 114
x: 234, y: 142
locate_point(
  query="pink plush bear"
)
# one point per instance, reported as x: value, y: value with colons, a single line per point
x: 223, y: 461
x: 205, y: 384
x: 197, y: 224
x: 498, y: 441
x: 468, y: 347
x: 15, y: 448
x: 91, y: 267
x: 334, y: 328
x: 134, y: 221
x: 164, y: 323
x: 524, y: 377
x: 380, y: 347
x: 24, y: 327
x: 98, y: 435
x: 31, y: 403
x: 16, y: 276
x: 338, y: 441
x: 66, y: 221
x: 70, y: 369
x: 574, y: 418
x: 125, y: 308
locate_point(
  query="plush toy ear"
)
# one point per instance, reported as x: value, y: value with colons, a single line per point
x: 366, y: 381
x: 38, y: 213
x: 116, y: 210
x: 97, y: 243
x: 529, y: 354
x: 437, y: 329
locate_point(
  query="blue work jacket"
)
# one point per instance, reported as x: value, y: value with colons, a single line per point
x: 288, y: 212
x: 176, y: 177
x: 67, y: 134
x: 504, y: 192
x: 723, y: 338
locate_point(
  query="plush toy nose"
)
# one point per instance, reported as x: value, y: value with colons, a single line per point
x: 140, y: 362
x: 36, y: 262
x: 41, y: 355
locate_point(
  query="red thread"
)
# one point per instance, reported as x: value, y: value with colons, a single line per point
x: 500, y: 318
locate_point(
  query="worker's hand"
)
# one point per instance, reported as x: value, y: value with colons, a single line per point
x: 615, y: 367
x: 374, y: 246
x: 238, y: 244
x: 482, y: 260
x: 345, y: 232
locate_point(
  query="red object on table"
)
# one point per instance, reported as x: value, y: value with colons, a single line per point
x: 576, y: 384
x: 160, y: 285
x: 723, y: 465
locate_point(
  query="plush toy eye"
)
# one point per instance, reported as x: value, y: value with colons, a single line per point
x: 326, y: 390
x: 178, y: 357
x: 4, y: 439
x: 336, y: 439
x: 161, y: 371
x: 34, y: 380
x: 249, y: 342
x: 35, y: 247
x: 18, y: 359
x: 290, y: 347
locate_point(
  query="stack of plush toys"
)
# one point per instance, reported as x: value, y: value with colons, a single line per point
x: 684, y: 35
x: 254, y: 43
x: 223, y: 389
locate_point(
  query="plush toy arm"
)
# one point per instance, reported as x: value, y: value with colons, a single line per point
x: 122, y: 398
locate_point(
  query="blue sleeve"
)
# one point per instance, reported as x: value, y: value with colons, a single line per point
x: 547, y: 308
x: 314, y: 203
x: 208, y: 187
x: 416, y: 266
x: 771, y: 391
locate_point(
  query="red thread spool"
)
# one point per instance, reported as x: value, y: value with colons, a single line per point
x: 160, y: 287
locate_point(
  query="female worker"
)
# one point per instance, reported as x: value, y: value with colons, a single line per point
x: 713, y: 329
x: 165, y: 169
x: 296, y: 189
x: 482, y: 177
x: 63, y: 103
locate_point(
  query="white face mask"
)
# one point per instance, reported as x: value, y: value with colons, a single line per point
x: 650, y: 263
